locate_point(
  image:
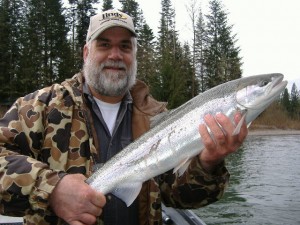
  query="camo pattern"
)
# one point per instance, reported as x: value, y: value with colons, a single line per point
x: 48, y: 134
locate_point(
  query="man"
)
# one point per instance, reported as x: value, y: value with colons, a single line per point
x: 51, y: 140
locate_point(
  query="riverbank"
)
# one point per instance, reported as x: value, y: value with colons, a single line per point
x: 271, y: 131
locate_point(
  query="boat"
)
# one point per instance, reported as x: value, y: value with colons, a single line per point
x: 7, y: 220
x: 170, y: 216
x: 173, y: 216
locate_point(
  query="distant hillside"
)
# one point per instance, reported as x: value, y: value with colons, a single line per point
x: 275, y: 117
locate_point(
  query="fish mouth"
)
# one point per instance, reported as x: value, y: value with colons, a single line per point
x: 277, y: 86
x: 257, y: 93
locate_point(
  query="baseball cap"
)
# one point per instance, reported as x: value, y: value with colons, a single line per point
x: 108, y: 19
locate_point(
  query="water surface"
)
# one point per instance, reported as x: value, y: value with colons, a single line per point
x: 264, y: 186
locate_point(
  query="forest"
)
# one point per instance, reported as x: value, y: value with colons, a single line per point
x: 41, y: 43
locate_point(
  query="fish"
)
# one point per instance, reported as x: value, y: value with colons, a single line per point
x: 174, y: 139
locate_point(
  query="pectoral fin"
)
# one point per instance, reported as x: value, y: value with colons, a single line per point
x: 182, y: 167
x: 239, y: 125
x: 128, y: 192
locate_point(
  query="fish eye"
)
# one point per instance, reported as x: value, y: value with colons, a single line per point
x: 263, y: 83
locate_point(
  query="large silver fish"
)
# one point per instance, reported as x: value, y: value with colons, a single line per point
x: 174, y: 140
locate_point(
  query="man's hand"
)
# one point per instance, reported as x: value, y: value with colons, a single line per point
x: 75, y: 201
x: 223, y: 142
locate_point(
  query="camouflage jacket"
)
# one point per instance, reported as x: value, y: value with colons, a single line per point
x: 49, y: 133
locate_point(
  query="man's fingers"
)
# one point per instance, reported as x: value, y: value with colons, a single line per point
x: 206, y: 137
x: 225, y: 123
x: 75, y: 201
x: 217, y: 130
x: 98, y: 200
x: 85, y: 219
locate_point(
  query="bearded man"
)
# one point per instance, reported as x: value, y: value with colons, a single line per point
x: 52, y: 140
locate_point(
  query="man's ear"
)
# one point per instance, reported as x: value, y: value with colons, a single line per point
x: 85, y: 52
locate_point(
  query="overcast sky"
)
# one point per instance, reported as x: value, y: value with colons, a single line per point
x: 268, y: 32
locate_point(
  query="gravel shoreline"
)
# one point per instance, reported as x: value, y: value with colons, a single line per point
x: 261, y: 132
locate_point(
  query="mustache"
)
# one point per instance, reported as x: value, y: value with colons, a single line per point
x: 114, y: 64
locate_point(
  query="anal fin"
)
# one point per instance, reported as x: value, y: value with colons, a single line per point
x: 128, y: 192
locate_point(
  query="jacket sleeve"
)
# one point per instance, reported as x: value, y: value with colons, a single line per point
x: 195, y: 188
x: 25, y: 181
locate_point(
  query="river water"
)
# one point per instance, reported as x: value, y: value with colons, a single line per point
x: 264, y: 186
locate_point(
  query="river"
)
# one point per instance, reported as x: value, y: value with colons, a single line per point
x: 264, y: 187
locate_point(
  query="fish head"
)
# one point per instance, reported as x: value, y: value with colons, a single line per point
x: 256, y: 93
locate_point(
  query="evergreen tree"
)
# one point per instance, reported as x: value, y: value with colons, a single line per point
x: 171, y: 81
x: 285, y: 100
x: 193, y: 14
x: 5, y: 53
x: 146, y: 44
x: 131, y: 7
x: 85, y: 11
x: 71, y: 20
x: 221, y: 57
x: 44, y: 44
x: 165, y: 53
x: 107, y: 4
x: 146, y: 56
x: 11, y: 32
x: 188, y: 70
x: 295, y: 102
x: 80, y: 11
x: 200, y: 37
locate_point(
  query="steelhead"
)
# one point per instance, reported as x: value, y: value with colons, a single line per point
x: 174, y: 139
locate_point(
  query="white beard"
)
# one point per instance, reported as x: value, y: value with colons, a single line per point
x: 109, y: 83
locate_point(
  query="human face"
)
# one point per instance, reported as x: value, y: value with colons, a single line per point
x: 110, y: 62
